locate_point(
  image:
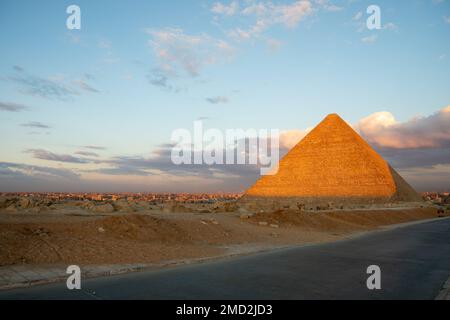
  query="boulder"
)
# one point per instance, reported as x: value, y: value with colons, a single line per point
x: 25, y: 203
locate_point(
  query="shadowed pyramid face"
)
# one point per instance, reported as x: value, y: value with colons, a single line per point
x: 332, y: 161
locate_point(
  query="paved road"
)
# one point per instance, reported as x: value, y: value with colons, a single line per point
x: 414, y: 261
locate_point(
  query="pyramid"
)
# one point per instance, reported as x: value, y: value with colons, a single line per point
x: 331, y: 166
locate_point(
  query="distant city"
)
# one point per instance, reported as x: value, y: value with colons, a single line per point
x: 152, y: 198
x: 159, y: 198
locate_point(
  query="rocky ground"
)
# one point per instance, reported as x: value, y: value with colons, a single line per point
x: 34, y: 231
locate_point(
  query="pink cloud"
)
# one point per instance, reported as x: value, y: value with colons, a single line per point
x: 383, y: 130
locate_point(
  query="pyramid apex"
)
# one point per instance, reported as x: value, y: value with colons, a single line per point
x: 333, y: 115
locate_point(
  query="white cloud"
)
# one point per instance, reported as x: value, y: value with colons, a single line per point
x: 222, y: 9
x: 357, y: 16
x: 264, y: 15
x: 328, y: 6
x: 175, y: 49
x: 289, y: 138
x: 370, y: 39
x: 390, y: 26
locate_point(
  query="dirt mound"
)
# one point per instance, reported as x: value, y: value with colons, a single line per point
x: 143, y: 228
x: 142, y: 238
x: 343, y: 220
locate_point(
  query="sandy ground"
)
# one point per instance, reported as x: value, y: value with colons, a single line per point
x: 79, y: 237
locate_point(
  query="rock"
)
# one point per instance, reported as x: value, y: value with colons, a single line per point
x: 25, y: 203
x: 263, y: 223
x: 103, y: 208
x: 246, y: 215
x: 101, y: 230
x: 274, y: 225
x: 215, y: 222
x: 242, y: 210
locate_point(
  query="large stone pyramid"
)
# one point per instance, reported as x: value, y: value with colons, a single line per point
x: 331, y: 166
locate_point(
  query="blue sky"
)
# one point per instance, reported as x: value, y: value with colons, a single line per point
x: 138, y: 70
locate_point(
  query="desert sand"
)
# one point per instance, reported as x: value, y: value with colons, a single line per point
x: 77, y: 235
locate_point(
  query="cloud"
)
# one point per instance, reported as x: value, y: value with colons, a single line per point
x: 176, y: 50
x: 218, y: 99
x: 17, y: 177
x: 384, y: 131
x: 87, y: 153
x: 390, y: 26
x: 325, y: 4
x: 35, y: 124
x: 289, y: 138
x: 17, y: 170
x: 94, y: 147
x: 45, y: 88
x: 18, y: 68
x: 56, y: 87
x: 84, y: 86
x: 370, y: 39
x: 160, y: 163
x: 357, y: 16
x: 12, y: 107
x: 416, y: 158
x: 434, y: 178
x: 267, y: 14
x: 50, y: 156
x: 158, y: 78
x: 223, y: 9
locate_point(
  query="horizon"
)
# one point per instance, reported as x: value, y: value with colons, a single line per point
x: 93, y: 110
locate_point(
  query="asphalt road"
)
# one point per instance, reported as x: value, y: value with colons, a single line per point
x: 414, y: 262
